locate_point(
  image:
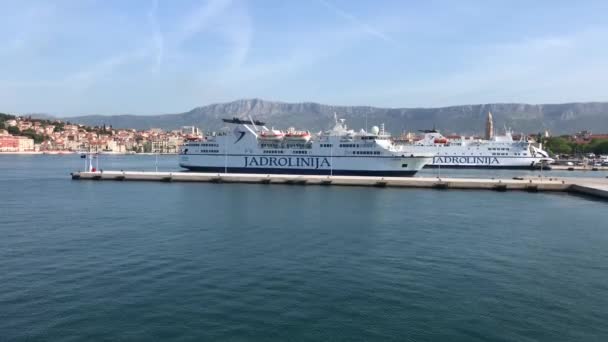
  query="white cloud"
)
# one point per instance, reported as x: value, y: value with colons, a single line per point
x: 535, y: 70
x: 200, y: 19
x: 365, y: 27
x: 157, y: 36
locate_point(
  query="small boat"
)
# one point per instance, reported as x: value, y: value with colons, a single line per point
x: 297, y: 136
x: 272, y: 135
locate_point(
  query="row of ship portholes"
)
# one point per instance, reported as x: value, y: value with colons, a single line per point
x: 368, y: 153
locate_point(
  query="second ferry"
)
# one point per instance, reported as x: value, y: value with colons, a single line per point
x: 253, y: 148
x: 493, y: 152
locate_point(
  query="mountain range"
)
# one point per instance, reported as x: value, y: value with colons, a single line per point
x: 465, y: 119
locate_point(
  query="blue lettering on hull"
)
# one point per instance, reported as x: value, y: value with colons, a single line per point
x: 291, y: 162
x: 467, y: 160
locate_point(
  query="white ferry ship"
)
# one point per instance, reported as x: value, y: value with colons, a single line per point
x: 253, y: 148
x: 492, y: 152
x: 498, y: 152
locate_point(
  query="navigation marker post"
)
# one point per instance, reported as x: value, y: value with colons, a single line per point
x: 226, y: 154
x: 331, y: 158
x: 438, y: 164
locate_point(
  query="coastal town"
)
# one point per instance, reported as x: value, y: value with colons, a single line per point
x: 37, y: 136
x: 27, y: 135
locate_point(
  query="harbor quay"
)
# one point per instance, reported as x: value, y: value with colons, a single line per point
x: 596, y: 187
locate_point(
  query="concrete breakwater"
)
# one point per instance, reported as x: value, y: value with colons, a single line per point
x: 578, y: 168
x: 596, y: 187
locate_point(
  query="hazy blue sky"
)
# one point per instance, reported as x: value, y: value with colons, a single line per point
x: 148, y: 57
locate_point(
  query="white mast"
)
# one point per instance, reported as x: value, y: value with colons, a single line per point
x: 225, y: 138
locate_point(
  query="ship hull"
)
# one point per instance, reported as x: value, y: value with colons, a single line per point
x: 308, y: 165
x: 484, y: 162
x: 494, y: 167
x: 280, y: 171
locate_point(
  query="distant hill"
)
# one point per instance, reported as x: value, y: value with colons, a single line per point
x: 467, y: 119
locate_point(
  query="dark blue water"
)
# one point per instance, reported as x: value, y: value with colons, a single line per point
x: 85, y: 260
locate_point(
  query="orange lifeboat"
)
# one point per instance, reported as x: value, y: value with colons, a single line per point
x: 272, y: 135
x: 298, y: 136
x: 440, y: 141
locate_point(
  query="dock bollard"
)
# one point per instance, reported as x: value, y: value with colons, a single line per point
x: 500, y: 187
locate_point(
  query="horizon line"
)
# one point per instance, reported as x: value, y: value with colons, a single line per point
x: 60, y: 116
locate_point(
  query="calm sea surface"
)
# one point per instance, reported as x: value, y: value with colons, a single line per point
x: 84, y: 260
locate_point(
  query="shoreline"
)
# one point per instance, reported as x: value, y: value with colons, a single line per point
x: 69, y: 153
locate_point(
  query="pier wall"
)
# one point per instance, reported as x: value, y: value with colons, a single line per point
x: 596, y: 187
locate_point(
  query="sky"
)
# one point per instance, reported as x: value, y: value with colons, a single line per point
x: 76, y: 57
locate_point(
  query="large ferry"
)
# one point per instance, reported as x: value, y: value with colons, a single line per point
x: 495, y: 151
x: 498, y: 152
x: 253, y: 148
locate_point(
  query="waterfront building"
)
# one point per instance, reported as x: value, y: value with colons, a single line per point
x: 10, y: 143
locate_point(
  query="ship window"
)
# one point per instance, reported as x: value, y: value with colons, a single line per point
x: 403, y: 165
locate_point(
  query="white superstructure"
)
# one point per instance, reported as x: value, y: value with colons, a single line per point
x: 250, y: 147
x: 498, y: 152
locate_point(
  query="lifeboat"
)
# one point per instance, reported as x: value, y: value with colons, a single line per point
x: 298, y: 136
x: 272, y: 135
x: 440, y: 141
